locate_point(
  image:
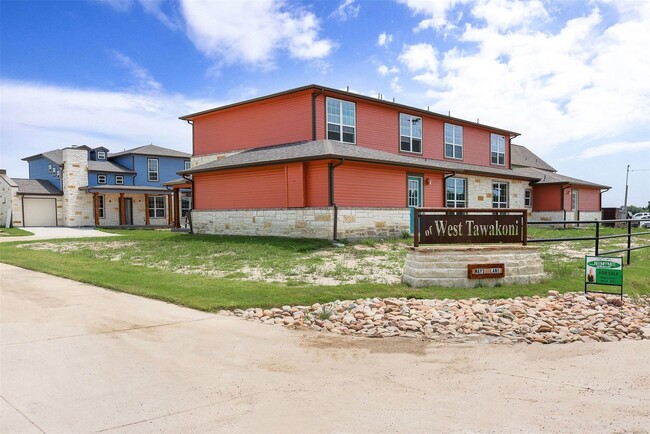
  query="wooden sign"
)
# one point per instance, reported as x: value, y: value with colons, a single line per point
x: 471, y: 229
x: 485, y: 271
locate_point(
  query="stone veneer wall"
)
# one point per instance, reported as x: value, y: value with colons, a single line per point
x: 140, y: 208
x: 78, y: 207
x: 479, y: 191
x: 554, y: 216
x: 7, y: 193
x: 304, y: 222
x: 447, y: 265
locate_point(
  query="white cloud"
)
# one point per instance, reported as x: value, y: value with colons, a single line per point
x: 67, y: 116
x: 582, y: 81
x: 505, y: 14
x: 253, y: 31
x: 436, y: 10
x: 346, y: 10
x: 143, y: 79
x: 384, y: 39
x: 384, y: 70
x: 394, y: 84
x: 614, y: 148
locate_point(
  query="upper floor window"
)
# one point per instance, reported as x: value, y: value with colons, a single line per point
x: 528, y: 198
x: 410, y: 132
x: 101, y: 179
x: 341, y: 120
x: 456, y: 193
x: 188, y: 165
x: 497, y: 149
x: 499, y: 195
x: 152, y: 169
x: 119, y: 179
x: 453, y: 141
x: 101, y: 155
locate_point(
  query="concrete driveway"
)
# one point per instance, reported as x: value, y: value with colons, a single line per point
x: 49, y: 233
x: 77, y: 358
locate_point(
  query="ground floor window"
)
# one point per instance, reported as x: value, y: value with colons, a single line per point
x: 456, y: 193
x: 157, y: 206
x: 186, y: 205
x: 499, y: 195
x: 574, y: 199
x: 528, y: 198
x: 100, y: 206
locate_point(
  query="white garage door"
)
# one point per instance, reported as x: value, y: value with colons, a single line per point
x: 39, y: 211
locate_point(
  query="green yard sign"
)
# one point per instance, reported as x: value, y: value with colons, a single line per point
x: 604, y: 270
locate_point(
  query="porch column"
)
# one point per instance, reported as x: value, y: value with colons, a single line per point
x: 122, y: 210
x: 96, y: 203
x: 177, y: 208
x: 146, y: 209
x: 171, y: 208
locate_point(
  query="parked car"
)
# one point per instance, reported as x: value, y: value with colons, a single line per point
x: 644, y: 219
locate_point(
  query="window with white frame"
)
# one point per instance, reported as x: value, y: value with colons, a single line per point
x: 152, y: 169
x: 499, y: 194
x: 453, y: 141
x: 101, y: 155
x: 100, y: 206
x: 456, y: 193
x: 101, y: 179
x: 186, y: 205
x: 119, y: 179
x: 528, y: 198
x: 188, y: 165
x: 410, y: 133
x: 341, y: 120
x: 497, y: 149
x: 157, y: 206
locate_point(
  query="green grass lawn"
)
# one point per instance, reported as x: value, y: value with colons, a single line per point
x: 218, y: 272
x: 14, y: 232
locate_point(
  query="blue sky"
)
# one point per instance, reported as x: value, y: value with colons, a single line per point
x: 570, y: 76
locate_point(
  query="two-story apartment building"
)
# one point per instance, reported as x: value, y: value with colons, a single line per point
x: 321, y: 162
x: 83, y: 186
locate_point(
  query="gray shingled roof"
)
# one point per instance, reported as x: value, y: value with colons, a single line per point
x: 524, y: 157
x: 37, y: 186
x: 547, y: 177
x: 107, y: 166
x: 327, y: 149
x: 152, y: 150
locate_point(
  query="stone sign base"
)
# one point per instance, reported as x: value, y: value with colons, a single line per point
x: 447, y: 265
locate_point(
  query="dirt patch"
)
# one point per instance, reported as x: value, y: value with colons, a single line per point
x: 416, y: 347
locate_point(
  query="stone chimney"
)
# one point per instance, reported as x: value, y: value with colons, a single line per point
x: 77, y: 204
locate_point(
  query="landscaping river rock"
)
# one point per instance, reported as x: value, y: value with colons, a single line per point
x: 558, y: 318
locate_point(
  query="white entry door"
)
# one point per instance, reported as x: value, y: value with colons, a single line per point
x: 39, y: 211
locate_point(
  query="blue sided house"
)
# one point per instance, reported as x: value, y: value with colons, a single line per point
x: 83, y: 186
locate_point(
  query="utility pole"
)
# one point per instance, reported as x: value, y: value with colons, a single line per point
x: 627, y: 174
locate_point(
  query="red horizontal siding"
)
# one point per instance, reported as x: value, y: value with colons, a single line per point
x: 378, y: 128
x: 589, y: 199
x: 316, y: 184
x: 283, y: 119
x: 547, y: 198
x: 241, y: 188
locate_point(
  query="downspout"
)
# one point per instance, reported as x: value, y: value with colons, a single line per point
x: 444, y: 189
x: 331, y: 197
x: 133, y: 168
x: 314, y: 95
x: 189, y: 211
x: 562, y: 198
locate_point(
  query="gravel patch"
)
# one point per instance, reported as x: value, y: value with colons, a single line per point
x: 556, y: 319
